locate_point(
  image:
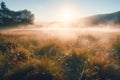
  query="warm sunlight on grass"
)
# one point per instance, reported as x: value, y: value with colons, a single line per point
x: 59, y: 40
x: 32, y: 56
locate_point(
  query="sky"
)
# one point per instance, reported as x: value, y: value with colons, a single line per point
x: 51, y: 10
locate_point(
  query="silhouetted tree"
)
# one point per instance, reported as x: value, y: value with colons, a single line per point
x: 9, y: 17
x: 3, y: 6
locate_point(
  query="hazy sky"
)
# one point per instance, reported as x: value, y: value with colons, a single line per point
x: 50, y: 10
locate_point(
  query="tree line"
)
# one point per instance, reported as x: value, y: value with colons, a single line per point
x: 10, y: 17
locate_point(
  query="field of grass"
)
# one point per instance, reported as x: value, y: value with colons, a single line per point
x: 34, y: 55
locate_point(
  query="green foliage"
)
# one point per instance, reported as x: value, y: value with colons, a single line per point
x: 10, y: 18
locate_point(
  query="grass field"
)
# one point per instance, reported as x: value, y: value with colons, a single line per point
x: 60, y: 54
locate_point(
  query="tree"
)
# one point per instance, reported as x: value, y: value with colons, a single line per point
x: 9, y: 17
x: 3, y: 6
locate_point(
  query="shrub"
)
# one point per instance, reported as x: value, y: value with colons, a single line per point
x: 74, y: 67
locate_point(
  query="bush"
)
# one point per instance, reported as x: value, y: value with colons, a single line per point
x: 74, y: 67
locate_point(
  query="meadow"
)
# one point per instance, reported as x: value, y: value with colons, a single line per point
x: 60, y: 54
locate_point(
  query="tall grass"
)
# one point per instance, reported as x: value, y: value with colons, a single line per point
x: 88, y: 57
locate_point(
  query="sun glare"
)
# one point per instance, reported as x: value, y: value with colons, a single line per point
x: 67, y: 16
x: 67, y: 13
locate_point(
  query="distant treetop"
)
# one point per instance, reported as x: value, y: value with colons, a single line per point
x: 10, y: 17
x: 3, y: 6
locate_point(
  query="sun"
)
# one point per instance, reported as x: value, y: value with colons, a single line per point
x: 67, y: 16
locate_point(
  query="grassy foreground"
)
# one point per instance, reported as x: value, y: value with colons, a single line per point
x: 88, y: 57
